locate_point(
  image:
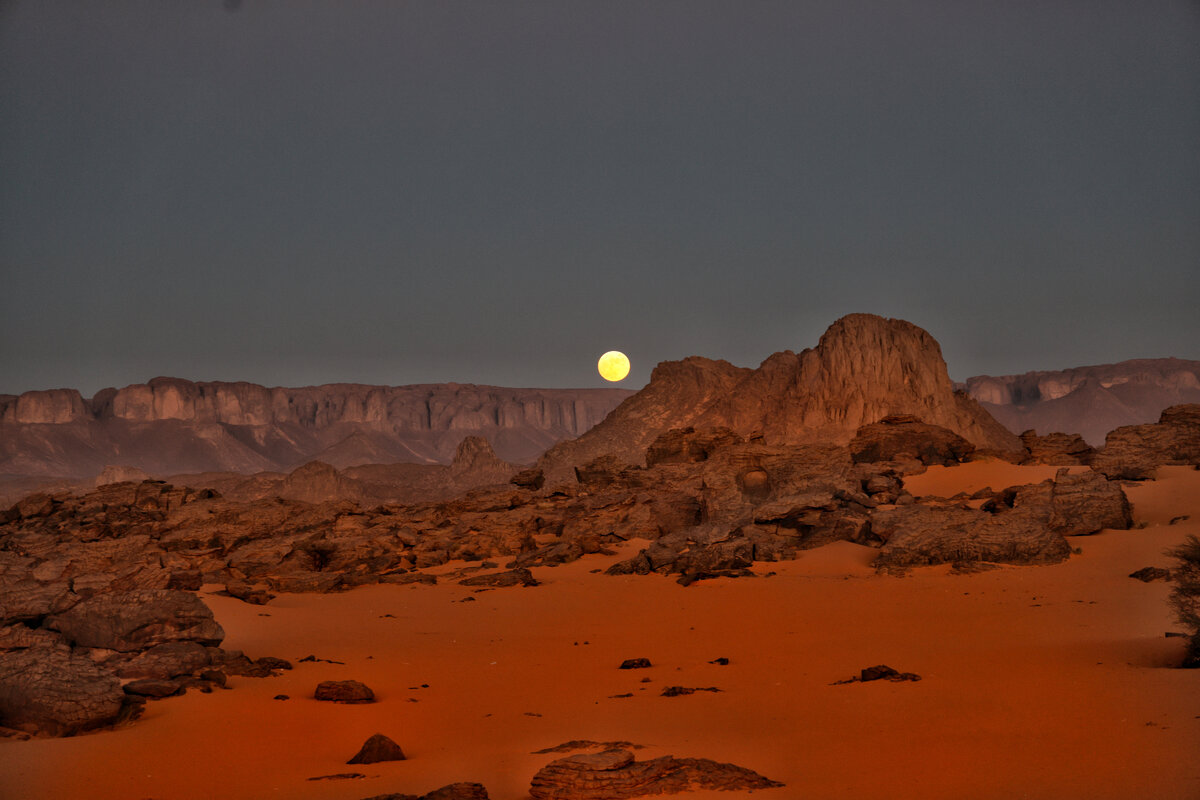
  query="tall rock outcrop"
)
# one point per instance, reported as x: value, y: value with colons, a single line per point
x: 1090, y: 401
x: 863, y: 369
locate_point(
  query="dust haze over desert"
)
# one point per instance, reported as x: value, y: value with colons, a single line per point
x: 528, y: 401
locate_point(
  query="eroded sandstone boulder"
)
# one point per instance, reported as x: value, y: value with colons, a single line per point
x: 49, y: 689
x: 138, y: 620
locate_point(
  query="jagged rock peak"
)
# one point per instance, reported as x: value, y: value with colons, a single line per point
x: 864, y: 368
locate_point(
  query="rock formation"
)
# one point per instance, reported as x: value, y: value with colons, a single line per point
x: 1134, y: 452
x: 614, y: 775
x: 1056, y: 449
x: 170, y: 426
x: 863, y: 369
x: 1090, y: 401
x: 1020, y: 525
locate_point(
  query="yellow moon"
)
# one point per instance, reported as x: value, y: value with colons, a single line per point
x: 613, y: 365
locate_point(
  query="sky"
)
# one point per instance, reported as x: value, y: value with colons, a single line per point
x: 293, y: 192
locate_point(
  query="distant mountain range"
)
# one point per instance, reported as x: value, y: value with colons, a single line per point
x: 1090, y: 401
x: 171, y: 426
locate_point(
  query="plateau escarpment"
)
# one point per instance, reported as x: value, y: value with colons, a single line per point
x: 1090, y: 401
x: 170, y: 426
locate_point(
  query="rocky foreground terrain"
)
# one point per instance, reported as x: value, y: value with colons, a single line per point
x: 98, y: 611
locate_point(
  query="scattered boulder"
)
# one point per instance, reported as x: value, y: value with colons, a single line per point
x: 1147, y: 574
x: 884, y: 672
x: 614, y: 775
x: 378, y: 748
x: 635, y: 663
x: 344, y: 692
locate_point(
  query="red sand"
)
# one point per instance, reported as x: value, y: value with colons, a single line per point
x: 1038, y: 682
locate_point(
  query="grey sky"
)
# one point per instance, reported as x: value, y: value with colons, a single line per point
x: 497, y: 192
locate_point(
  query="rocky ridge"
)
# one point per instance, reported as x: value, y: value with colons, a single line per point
x: 171, y: 426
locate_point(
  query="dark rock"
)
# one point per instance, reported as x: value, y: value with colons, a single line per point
x: 248, y: 594
x: 344, y: 692
x: 273, y: 663
x: 377, y: 748
x: 635, y: 663
x: 152, y: 687
x: 877, y: 673
x: 722, y: 661
x: 532, y: 479
x: 1147, y: 574
x: 678, y: 691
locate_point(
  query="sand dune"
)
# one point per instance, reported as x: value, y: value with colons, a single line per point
x: 1038, y: 682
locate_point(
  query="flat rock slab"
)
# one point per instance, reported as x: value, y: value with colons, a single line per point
x: 614, y: 775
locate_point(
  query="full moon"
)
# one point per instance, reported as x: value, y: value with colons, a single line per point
x: 613, y: 365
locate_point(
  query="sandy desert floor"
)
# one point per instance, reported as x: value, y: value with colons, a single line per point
x: 1038, y: 682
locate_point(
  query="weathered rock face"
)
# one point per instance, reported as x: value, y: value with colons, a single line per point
x: 678, y: 393
x: 864, y: 368
x: 1090, y: 401
x: 918, y: 535
x: 900, y: 437
x: 46, y: 687
x: 1134, y: 452
x: 614, y: 774
x: 171, y: 426
x: 138, y: 620
x: 1056, y: 449
x: 1020, y: 525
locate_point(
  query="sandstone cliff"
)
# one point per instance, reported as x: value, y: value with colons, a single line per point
x: 171, y: 426
x: 1090, y: 401
x: 863, y: 369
